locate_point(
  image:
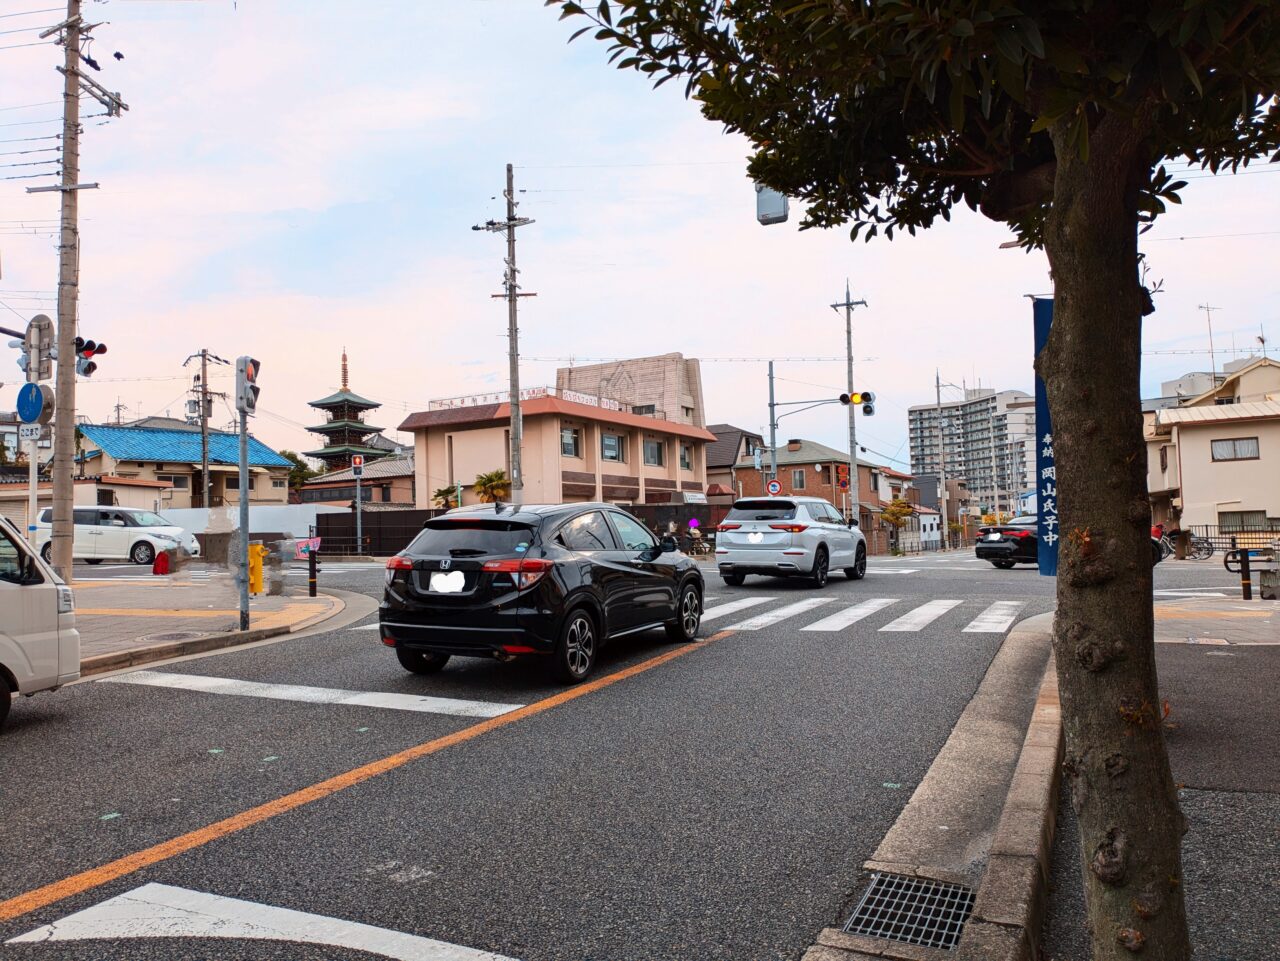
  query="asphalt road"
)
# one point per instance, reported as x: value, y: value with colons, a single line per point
x: 701, y: 801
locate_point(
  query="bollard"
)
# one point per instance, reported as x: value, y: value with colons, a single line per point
x: 1246, y: 579
x: 313, y: 568
x: 257, y: 555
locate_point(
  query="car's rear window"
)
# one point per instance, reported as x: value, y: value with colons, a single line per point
x: 762, y: 510
x: 471, y: 538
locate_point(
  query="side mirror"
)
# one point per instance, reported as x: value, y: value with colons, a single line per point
x: 668, y: 544
x: 853, y: 522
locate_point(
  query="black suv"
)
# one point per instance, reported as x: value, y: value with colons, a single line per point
x: 559, y: 580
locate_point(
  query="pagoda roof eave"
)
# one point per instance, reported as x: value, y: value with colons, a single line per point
x: 355, y: 425
x: 344, y: 397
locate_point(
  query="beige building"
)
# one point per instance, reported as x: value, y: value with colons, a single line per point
x: 576, y: 448
x: 1214, y: 461
x: 107, y: 490
x: 172, y: 457
x: 666, y: 386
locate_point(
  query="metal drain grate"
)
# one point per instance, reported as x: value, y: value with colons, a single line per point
x: 912, y: 910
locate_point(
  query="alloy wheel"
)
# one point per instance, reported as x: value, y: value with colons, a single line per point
x: 580, y: 646
x: 690, y: 612
x: 860, y: 563
x: 820, y: 568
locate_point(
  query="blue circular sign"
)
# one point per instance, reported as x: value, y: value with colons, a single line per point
x: 30, y: 403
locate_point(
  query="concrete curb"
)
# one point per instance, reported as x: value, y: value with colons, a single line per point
x: 1009, y: 910
x: 1011, y: 893
x: 117, y: 660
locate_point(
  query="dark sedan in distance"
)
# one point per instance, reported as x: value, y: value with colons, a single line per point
x: 1014, y: 542
x: 553, y: 580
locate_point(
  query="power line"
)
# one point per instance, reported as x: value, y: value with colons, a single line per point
x: 15, y: 46
x: 30, y: 13
x: 52, y: 136
x: 1255, y: 233
x: 28, y: 106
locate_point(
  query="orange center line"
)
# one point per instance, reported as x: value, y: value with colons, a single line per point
x: 56, y: 891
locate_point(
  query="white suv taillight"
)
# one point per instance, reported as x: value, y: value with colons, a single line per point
x: 66, y: 601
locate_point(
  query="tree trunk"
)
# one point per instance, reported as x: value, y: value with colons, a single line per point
x: 1116, y: 765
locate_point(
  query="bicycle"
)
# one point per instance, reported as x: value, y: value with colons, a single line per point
x: 1200, y: 548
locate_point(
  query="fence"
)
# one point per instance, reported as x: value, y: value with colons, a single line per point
x: 385, y: 532
x: 1220, y: 537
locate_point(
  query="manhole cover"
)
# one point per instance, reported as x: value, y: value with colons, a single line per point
x: 174, y: 636
x: 912, y: 910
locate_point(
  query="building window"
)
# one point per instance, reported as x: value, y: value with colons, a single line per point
x: 1164, y: 457
x: 686, y: 457
x: 1235, y: 522
x: 570, y: 438
x: 179, y: 481
x: 653, y: 452
x: 1235, y: 448
x: 612, y: 448
x: 687, y: 411
x: 797, y: 479
x: 644, y: 409
x: 278, y: 484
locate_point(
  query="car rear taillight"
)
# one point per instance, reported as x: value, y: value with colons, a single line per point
x: 399, y: 563
x: 728, y: 527
x: 526, y: 571
x: 790, y: 528
x: 1018, y: 534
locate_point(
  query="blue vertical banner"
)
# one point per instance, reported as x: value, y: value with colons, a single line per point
x: 1046, y: 468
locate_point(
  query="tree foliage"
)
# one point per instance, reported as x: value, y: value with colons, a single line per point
x: 897, y: 512
x: 446, y: 497
x: 888, y: 113
x: 300, y: 472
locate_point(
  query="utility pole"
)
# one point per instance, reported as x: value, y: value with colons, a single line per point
x: 512, y: 296
x: 1213, y: 361
x: 64, y: 427
x: 202, y: 398
x: 773, y: 429
x: 942, y: 462
x: 848, y: 304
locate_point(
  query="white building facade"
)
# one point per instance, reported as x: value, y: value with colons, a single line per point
x: 988, y: 440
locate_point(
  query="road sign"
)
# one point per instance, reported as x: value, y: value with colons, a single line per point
x: 30, y: 431
x: 842, y: 471
x: 774, y: 487
x: 35, y: 404
x: 357, y: 465
x: 1046, y: 466
x: 844, y: 484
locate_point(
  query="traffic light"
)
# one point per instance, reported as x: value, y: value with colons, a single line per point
x: 865, y: 398
x: 247, y: 384
x: 86, y: 350
x: 24, y: 357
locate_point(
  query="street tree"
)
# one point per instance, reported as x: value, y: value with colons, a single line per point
x: 1060, y: 118
x: 300, y: 472
x: 445, y: 497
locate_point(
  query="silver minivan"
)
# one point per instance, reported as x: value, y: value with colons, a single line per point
x: 39, y: 643
x: 788, y: 537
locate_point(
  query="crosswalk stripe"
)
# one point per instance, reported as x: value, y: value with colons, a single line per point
x: 720, y: 610
x: 769, y: 618
x: 996, y: 618
x: 923, y: 615
x: 314, y: 695
x: 893, y: 570
x: 850, y: 615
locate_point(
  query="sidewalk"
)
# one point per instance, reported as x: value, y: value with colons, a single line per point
x: 1218, y: 661
x: 137, y: 621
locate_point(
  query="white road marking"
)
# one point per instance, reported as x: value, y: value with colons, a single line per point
x: 893, y: 570
x: 997, y: 618
x: 313, y: 695
x: 769, y: 618
x: 162, y: 911
x: 367, y: 627
x: 923, y: 615
x: 851, y: 615
x: 720, y: 610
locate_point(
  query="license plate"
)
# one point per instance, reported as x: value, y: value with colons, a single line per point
x: 453, y: 582
x: 993, y: 537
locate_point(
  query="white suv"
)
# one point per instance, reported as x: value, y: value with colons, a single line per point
x: 788, y: 537
x: 117, y: 534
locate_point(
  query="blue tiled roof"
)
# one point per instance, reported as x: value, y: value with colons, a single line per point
x: 177, y: 446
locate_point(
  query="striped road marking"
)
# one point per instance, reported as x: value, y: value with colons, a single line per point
x: 720, y: 610
x: 893, y: 570
x: 997, y: 618
x: 161, y: 911
x: 769, y: 618
x: 850, y: 615
x: 314, y: 695
x: 921, y: 616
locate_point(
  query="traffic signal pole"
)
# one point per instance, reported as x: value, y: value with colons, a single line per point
x: 848, y: 304
x: 243, y: 575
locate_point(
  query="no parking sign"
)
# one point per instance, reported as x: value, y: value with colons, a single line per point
x: 773, y: 487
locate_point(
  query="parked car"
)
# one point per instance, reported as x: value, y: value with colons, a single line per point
x: 39, y: 644
x: 1015, y: 541
x: 556, y: 580
x: 788, y: 537
x: 117, y: 534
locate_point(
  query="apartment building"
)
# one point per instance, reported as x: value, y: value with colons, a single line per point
x: 577, y: 447
x: 988, y: 439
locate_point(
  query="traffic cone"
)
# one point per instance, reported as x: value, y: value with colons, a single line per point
x: 161, y: 565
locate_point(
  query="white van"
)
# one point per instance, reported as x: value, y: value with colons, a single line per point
x: 39, y: 643
x: 117, y: 534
